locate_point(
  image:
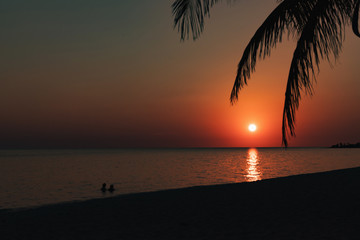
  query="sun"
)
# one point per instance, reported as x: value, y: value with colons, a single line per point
x: 252, y: 127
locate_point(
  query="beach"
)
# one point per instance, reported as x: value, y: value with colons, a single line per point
x: 310, y: 206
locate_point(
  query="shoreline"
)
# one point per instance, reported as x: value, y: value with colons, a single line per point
x: 309, y: 206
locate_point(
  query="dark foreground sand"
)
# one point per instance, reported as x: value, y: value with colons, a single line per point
x: 313, y: 206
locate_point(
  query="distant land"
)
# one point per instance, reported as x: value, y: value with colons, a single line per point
x: 346, y: 145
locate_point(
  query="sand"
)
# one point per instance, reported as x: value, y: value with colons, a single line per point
x: 312, y: 206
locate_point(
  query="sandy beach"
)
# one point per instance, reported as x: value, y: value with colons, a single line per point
x: 312, y: 206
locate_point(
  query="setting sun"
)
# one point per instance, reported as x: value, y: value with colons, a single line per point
x: 252, y: 127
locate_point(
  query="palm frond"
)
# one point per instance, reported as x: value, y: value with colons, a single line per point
x: 355, y: 20
x: 321, y: 37
x: 289, y: 15
x: 189, y: 16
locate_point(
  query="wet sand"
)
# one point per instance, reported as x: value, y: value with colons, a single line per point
x: 312, y: 206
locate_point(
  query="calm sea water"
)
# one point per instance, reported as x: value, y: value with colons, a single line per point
x: 36, y: 177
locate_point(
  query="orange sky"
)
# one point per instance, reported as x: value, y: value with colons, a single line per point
x: 115, y: 74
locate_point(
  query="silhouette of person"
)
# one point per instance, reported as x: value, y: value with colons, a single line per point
x: 111, y: 189
x: 103, y: 189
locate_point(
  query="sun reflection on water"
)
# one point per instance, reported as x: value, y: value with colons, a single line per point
x: 252, y: 161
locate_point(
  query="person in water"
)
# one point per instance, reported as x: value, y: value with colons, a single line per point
x: 103, y: 189
x: 111, y: 189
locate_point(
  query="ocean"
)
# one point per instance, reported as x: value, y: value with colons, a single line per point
x: 30, y: 178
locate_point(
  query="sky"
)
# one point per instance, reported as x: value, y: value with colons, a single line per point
x: 88, y: 73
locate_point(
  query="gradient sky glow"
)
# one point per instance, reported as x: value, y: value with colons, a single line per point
x: 113, y: 73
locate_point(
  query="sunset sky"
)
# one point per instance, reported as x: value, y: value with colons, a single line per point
x: 114, y: 73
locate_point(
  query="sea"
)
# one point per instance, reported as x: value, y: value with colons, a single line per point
x: 31, y: 178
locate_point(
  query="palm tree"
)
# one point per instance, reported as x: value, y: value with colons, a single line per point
x: 317, y: 26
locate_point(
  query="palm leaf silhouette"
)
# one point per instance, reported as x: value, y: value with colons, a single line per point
x: 321, y: 36
x: 355, y: 22
x: 190, y: 14
x: 317, y: 25
x: 289, y: 15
